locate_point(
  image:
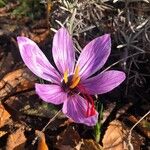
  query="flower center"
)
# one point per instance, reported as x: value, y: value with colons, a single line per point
x: 70, y: 82
x: 71, y: 85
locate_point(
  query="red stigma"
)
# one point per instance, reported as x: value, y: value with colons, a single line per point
x: 90, y: 111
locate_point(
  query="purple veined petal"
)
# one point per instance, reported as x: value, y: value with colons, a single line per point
x: 103, y: 82
x: 75, y: 107
x: 63, y: 51
x: 94, y: 56
x: 51, y: 93
x: 36, y: 61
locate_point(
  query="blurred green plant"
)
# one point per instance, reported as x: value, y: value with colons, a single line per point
x: 33, y: 9
x: 2, y: 3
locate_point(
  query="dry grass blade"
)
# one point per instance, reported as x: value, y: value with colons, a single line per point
x: 141, y: 125
x: 130, y: 133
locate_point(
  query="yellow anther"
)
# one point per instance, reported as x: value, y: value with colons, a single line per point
x: 75, y: 78
x: 75, y: 82
x: 66, y: 76
x: 76, y: 74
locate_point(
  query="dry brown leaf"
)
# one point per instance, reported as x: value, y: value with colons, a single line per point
x: 68, y: 139
x: 41, y: 140
x: 28, y: 103
x: 114, y: 137
x: 16, y: 140
x: 88, y: 145
x: 4, y: 116
x: 65, y: 147
x: 16, y: 81
x: 37, y: 35
x: 40, y: 37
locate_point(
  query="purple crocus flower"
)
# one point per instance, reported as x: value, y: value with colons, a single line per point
x: 72, y: 84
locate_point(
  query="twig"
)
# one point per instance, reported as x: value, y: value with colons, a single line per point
x: 51, y: 120
x: 130, y: 132
x: 135, y: 54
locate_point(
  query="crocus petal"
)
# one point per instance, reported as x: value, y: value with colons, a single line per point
x: 75, y: 107
x: 103, y: 82
x: 63, y: 51
x: 36, y: 61
x: 51, y: 93
x: 94, y: 56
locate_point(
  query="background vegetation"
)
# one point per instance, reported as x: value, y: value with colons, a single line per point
x: 128, y: 22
